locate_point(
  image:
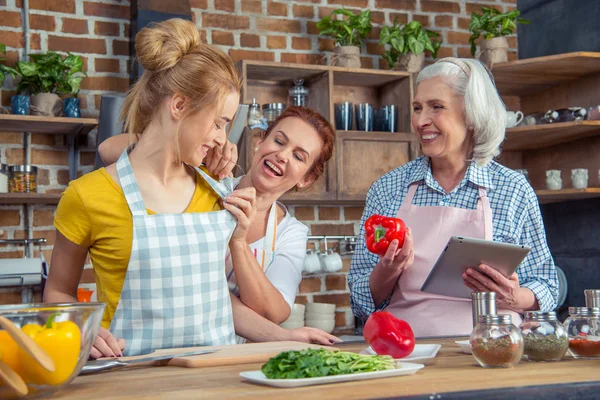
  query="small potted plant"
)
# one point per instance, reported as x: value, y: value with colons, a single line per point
x: 407, y: 45
x: 348, y: 34
x: 48, y: 76
x: 494, y: 26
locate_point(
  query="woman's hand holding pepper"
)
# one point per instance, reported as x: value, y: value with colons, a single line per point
x: 397, y: 260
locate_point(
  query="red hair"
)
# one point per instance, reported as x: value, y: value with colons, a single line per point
x: 323, y: 128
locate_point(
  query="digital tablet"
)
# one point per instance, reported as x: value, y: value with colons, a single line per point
x: 461, y: 253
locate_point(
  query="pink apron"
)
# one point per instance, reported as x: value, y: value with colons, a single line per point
x: 431, y: 314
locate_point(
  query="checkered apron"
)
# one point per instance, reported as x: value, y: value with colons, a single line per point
x: 175, y: 291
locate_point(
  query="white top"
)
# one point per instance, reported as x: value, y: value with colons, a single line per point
x: 285, y: 268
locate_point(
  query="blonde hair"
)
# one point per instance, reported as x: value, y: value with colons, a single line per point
x: 176, y: 62
x: 485, y: 113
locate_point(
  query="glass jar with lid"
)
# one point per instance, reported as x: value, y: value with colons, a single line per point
x: 272, y: 110
x: 496, y: 342
x: 583, y: 328
x: 22, y: 179
x: 545, y: 338
x: 298, y: 94
x: 254, y: 115
x: 3, y: 178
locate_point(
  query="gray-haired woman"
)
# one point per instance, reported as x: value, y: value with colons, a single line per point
x: 454, y: 189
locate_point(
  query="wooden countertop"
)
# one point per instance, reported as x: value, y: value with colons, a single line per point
x: 452, y: 372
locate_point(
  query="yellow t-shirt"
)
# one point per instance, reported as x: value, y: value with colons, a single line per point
x: 93, y: 212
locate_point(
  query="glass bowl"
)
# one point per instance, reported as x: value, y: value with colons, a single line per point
x: 75, y: 319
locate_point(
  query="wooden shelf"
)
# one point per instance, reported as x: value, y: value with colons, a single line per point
x: 523, y: 77
x: 556, y: 196
x: 281, y: 72
x: 46, y: 125
x: 365, y: 77
x: 29, y: 198
x: 540, y: 136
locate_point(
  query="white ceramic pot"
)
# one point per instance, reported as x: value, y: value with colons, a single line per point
x: 579, y: 177
x: 320, y: 307
x: 553, y: 179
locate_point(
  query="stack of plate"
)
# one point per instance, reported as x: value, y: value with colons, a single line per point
x: 296, y: 318
x: 321, y: 316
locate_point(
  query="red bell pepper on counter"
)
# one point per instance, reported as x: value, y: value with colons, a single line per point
x: 389, y: 335
x: 380, y: 231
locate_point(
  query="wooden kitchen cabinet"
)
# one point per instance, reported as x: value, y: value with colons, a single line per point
x: 359, y: 157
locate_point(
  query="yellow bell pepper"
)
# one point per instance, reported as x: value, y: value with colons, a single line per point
x: 62, y: 342
x: 9, y: 353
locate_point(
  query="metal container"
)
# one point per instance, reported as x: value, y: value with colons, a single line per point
x: 484, y: 303
x: 22, y: 179
x: 298, y: 94
x: 272, y: 110
x: 592, y: 298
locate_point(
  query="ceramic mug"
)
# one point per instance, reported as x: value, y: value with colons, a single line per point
x: 331, y: 262
x: 579, y: 177
x: 312, y: 263
x: 513, y: 118
x: 553, y: 179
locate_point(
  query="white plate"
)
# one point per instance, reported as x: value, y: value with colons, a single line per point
x: 464, y: 345
x: 423, y: 353
x: 401, y: 369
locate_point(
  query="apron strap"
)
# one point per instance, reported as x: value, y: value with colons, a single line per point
x: 129, y: 185
x: 484, y: 202
x: 408, y: 199
x: 223, y: 188
x: 270, y: 235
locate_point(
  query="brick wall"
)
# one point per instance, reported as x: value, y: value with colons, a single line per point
x: 270, y: 30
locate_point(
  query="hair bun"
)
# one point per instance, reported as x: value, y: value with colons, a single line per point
x: 160, y: 46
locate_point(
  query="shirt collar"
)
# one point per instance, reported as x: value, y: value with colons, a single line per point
x: 478, y: 175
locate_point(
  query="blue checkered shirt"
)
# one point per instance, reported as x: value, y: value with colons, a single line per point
x: 516, y: 218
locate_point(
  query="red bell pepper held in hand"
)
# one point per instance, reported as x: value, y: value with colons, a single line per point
x: 389, y: 335
x: 380, y: 231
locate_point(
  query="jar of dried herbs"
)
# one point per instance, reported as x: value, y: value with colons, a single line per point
x: 545, y: 337
x: 23, y: 179
x: 583, y: 328
x: 496, y: 342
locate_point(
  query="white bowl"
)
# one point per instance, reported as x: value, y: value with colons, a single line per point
x: 295, y: 318
x: 320, y: 308
x: 291, y: 325
x: 319, y: 320
x: 314, y: 315
x: 326, y: 326
x: 298, y: 308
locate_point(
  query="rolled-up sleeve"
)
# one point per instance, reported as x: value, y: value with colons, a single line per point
x: 537, y: 272
x: 363, y: 262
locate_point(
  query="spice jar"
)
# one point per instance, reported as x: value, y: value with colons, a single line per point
x: 22, y: 179
x: 298, y: 94
x: 496, y: 342
x: 545, y: 338
x: 583, y: 328
x: 3, y: 178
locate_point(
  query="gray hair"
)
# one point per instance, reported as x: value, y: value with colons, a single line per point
x: 485, y: 113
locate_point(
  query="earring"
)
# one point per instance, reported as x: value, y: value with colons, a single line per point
x: 300, y: 186
x: 256, y: 148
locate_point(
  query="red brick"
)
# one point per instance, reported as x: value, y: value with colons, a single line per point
x: 458, y: 38
x: 225, y: 5
x: 48, y: 157
x: 332, y: 230
x: 106, y: 10
x: 445, y: 52
x: 107, y: 65
x: 42, y: 22
x: 252, y: 6
x: 440, y: 6
x: 10, y: 217
x: 350, y: 3
x: 314, y: 59
x: 11, y: 138
x: 375, y: 33
x: 203, y: 4
x: 401, y: 18
x: 277, y: 9
x: 311, y: 28
x: 87, y: 157
x: 346, y: 261
x: 35, y: 41
x: 375, y: 48
x: 43, y: 175
x: 301, y: 43
x: 12, y: 39
x: 15, y: 156
x: 340, y: 319
x: 310, y: 285
x: 12, y: 254
x: 341, y: 299
x: 475, y: 7
x: 121, y: 47
x: 77, y: 26
x: 11, y: 19
x: 76, y: 45
x: 423, y: 19
x: 353, y: 213
x: 107, y: 28
x: 512, y: 56
x: 335, y: 282
x: 302, y: 11
x: 378, y: 17
x: 463, y: 23
x: 325, y: 11
x: 366, y: 62
x: 276, y: 42
x: 222, y: 38
x: 107, y: 84
x: 238, y: 55
x: 304, y: 213
x: 396, y: 4
x: 512, y: 42
x: 278, y: 25
x: 300, y: 299
x: 326, y: 44
x: 63, y: 6
x: 44, y: 140
x: 464, y: 52
x: 249, y: 40
x: 225, y: 21
x: 444, y: 21
x: 329, y: 213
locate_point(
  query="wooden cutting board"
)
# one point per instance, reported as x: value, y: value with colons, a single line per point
x: 230, y: 355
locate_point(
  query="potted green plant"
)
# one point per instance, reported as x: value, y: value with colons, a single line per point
x: 494, y: 26
x: 406, y: 45
x: 348, y: 34
x: 48, y: 76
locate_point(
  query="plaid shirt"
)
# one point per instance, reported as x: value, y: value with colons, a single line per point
x: 515, y: 214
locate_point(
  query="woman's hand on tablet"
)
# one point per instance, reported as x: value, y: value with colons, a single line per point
x: 490, y: 280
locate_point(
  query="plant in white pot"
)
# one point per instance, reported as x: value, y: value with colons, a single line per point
x: 46, y: 77
x: 494, y: 26
x: 348, y: 34
x: 407, y: 45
